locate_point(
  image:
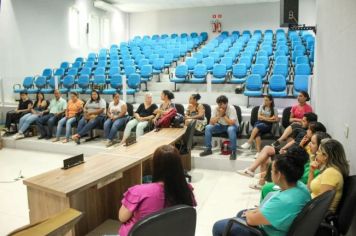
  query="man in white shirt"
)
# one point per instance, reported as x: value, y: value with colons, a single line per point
x: 224, y: 119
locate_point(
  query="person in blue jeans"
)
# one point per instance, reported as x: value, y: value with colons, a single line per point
x: 117, y: 117
x: 93, y: 116
x: 278, y: 210
x: 39, y: 106
x: 224, y: 119
x: 74, y: 108
x: 55, y: 110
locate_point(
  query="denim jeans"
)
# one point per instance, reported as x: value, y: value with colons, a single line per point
x: 26, y: 121
x: 68, y: 124
x: 140, y: 127
x: 236, y: 230
x: 49, y: 119
x: 217, y: 129
x: 85, y: 126
x: 111, y: 127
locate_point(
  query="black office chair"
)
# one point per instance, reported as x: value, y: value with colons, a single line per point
x: 254, y: 119
x: 339, y: 223
x: 285, y: 119
x: 306, y: 223
x: 180, y: 108
x: 173, y: 221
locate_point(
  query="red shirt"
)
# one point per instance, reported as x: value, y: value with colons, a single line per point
x: 298, y: 111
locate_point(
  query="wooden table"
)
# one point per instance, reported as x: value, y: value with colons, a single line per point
x: 95, y: 187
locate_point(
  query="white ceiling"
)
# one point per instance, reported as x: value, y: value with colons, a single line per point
x: 152, y: 5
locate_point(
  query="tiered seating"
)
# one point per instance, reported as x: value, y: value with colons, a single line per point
x: 279, y: 59
x: 137, y: 60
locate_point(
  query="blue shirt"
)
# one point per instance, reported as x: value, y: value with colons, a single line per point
x: 283, y: 207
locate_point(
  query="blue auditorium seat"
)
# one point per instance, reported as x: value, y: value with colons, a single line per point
x: 129, y: 70
x: 239, y: 74
x: 246, y: 61
x: 300, y: 84
x: 282, y: 60
x: 65, y: 65
x: 158, y: 65
x: 259, y: 69
x: 26, y: 85
x: 219, y: 74
x: 180, y: 75
x: 83, y: 85
x: 209, y: 62
x: 85, y: 71
x: 47, y: 73
x: 228, y: 63
x: 302, y: 60
x: 302, y: 69
x: 262, y: 53
x: 68, y: 83
x: 198, y: 56
x: 262, y: 60
x: 253, y: 86
x: 168, y: 59
x: 199, y: 74
x: 280, y: 69
x: 277, y: 86
x: 99, y: 71
x: 296, y: 54
x: 115, y: 84
x: 191, y: 63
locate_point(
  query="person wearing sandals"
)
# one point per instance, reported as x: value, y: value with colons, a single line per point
x: 310, y: 149
x: 267, y: 152
x: 195, y: 111
x: 277, y: 212
x: 116, y: 119
x: 267, y: 115
x: 142, y: 117
x: 74, y: 108
x: 94, y: 114
x: 296, y: 116
x: 39, y: 106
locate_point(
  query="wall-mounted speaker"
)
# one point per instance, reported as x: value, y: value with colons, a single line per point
x: 289, y: 12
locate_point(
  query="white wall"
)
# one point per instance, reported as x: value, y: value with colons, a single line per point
x: 34, y: 35
x: 235, y: 17
x: 335, y: 81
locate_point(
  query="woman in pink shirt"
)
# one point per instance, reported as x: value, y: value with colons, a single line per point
x: 296, y: 115
x: 168, y: 188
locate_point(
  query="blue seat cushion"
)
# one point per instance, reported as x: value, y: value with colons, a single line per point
x: 237, y: 81
x: 129, y: 91
x: 64, y: 90
x: 252, y: 93
x: 109, y: 91
x: 32, y: 91
x: 218, y: 80
x: 278, y: 94
x: 195, y: 80
x: 47, y: 91
x: 19, y: 90
x: 178, y: 80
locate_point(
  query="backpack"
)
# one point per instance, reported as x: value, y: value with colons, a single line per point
x: 165, y: 120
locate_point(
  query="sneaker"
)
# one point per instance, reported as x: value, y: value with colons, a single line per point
x: 41, y: 137
x: 246, y: 172
x: 246, y: 145
x: 233, y: 156
x: 256, y: 155
x: 109, y: 143
x: 276, y: 144
x: 206, y: 152
x: 19, y: 136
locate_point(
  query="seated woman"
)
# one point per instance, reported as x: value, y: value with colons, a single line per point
x: 268, y: 151
x: 23, y: 108
x: 296, y: 115
x: 195, y: 111
x: 310, y: 149
x: 117, y: 116
x: 277, y: 212
x: 39, y: 106
x: 267, y: 115
x: 168, y: 188
x: 165, y: 107
x: 74, y: 108
x: 334, y: 168
x: 142, y: 117
x: 94, y: 114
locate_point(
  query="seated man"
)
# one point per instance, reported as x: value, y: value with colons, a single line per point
x: 224, y: 119
x: 56, y: 109
x: 25, y: 106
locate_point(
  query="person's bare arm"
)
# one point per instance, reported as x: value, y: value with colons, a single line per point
x: 124, y: 214
x: 254, y: 218
x: 123, y: 111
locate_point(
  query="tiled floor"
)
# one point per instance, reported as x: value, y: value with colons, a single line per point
x: 220, y: 194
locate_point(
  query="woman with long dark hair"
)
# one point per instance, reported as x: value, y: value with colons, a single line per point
x: 267, y: 115
x: 168, y: 188
x: 94, y: 114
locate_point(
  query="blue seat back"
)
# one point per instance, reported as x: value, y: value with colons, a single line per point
x: 59, y: 72
x: 99, y: 80
x: 73, y: 72
x: 277, y: 83
x: 282, y: 60
x: 114, y: 71
x: 152, y: 57
x: 259, y: 69
x: 77, y: 64
x: 227, y: 61
x: 99, y: 71
x: 64, y: 65
x: 209, y: 62
x: 302, y: 69
x: 134, y: 81
x: 129, y: 70
x: 83, y: 81
x: 262, y: 60
x: 239, y: 71
x: 254, y: 82
x: 198, y: 56
x: 219, y: 71
x: 146, y: 71
x: 85, y: 71
x: 47, y: 72
x: 191, y: 62
x: 302, y: 60
x: 280, y: 69
x: 168, y: 58
x: 68, y: 81
x: 181, y: 71
x: 28, y: 82
x: 116, y: 81
x: 301, y: 83
x: 200, y: 71
x: 246, y: 61
x: 41, y: 82
x: 158, y: 63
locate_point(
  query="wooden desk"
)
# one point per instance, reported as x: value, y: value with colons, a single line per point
x: 95, y: 187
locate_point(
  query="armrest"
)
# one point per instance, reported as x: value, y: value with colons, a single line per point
x: 243, y: 224
x: 16, y: 85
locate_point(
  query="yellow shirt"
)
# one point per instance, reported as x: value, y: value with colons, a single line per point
x: 74, y: 108
x: 330, y: 176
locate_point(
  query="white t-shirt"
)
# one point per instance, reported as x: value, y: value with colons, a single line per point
x: 93, y: 106
x: 116, y: 109
x: 230, y: 113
